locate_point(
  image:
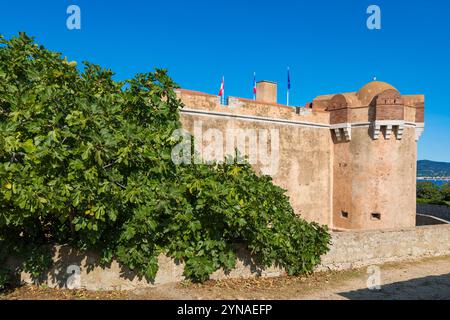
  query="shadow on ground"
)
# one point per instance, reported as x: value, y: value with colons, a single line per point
x: 427, y: 220
x: 429, y: 288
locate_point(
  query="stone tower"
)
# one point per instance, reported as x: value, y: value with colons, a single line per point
x: 374, y: 134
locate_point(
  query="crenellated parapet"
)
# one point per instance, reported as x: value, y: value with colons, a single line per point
x: 377, y: 106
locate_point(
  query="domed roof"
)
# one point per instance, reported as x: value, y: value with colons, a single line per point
x: 372, y: 89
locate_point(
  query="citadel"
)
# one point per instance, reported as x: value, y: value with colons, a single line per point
x: 347, y: 160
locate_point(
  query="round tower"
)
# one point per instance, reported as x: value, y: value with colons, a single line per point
x: 375, y: 133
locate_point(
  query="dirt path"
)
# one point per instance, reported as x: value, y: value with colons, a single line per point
x: 428, y: 279
x: 425, y: 279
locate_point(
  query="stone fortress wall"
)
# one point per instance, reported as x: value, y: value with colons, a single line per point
x: 346, y: 160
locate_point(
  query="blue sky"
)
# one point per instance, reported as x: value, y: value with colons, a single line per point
x: 326, y: 44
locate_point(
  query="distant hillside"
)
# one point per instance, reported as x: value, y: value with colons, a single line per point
x: 426, y: 168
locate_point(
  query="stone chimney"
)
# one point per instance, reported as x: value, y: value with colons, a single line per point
x: 266, y: 91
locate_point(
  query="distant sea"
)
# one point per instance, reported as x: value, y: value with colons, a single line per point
x: 436, y: 182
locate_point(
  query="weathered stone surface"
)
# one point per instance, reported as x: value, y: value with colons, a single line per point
x: 83, y: 270
x: 363, y: 248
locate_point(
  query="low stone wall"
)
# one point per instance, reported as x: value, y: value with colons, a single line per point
x: 348, y: 250
x: 441, y: 212
x: 363, y: 248
x: 73, y: 269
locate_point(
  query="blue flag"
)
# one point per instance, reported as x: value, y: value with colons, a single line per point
x: 289, y: 80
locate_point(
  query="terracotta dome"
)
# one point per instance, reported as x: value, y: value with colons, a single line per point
x: 371, y: 90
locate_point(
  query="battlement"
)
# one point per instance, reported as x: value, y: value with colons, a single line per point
x: 377, y: 104
x: 198, y: 101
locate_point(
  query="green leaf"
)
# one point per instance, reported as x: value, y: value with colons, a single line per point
x: 28, y: 146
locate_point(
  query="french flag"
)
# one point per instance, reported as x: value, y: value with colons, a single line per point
x: 254, y: 85
x: 222, y: 87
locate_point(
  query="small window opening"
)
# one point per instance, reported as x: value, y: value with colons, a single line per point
x: 376, y: 216
x: 344, y: 214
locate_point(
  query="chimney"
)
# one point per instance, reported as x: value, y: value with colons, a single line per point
x: 266, y: 91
